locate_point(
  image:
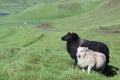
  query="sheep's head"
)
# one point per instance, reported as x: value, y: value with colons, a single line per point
x: 70, y: 36
x: 82, y: 49
x: 81, y: 52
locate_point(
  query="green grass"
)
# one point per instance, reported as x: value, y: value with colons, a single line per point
x: 16, y: 6
x: 48, y: 59
x: 59, y: 9
x: 28, y: 52
x: 100, y: 17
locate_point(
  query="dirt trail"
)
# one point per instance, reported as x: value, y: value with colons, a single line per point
x: 47, y: 27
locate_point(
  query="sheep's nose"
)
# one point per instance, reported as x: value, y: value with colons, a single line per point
x: 62, y: 38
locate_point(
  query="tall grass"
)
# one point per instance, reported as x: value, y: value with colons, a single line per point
x: 47, y: 58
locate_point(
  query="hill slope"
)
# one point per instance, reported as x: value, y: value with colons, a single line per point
x: 34, y: 51
x: 16, y: 6
x: 60, y: 9
x: 106, y: 15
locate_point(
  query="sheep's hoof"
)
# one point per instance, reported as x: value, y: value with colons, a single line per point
x: 73, y: 67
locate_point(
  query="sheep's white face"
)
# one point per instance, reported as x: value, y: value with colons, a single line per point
x: 81, y: 51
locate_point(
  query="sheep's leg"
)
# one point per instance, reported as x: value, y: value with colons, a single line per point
x: 89, y: 68
x: 75, y: 63
x: 105, y: 69
x: 83, y: 70
x: 102, y: 69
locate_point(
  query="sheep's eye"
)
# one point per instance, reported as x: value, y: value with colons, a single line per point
x: 81, y: 51
x: 79, y: 56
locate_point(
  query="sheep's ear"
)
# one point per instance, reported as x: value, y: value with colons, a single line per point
x: 87, y: 48
x: 80, y: 48
x: 84, y: 48
x: 70, y: 33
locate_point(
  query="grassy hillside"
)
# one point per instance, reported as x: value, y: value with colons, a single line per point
x: 16, y: 6
x: 106, y: 15
x: 31, y: 46
x: 28, y: 53
x: 60, y: 9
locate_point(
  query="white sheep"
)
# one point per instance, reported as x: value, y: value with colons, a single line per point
x: 90, y: 59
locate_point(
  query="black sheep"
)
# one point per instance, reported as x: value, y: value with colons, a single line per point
x: 73, y: 42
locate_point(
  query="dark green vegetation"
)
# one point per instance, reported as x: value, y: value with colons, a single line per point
x: 30, y: 44
x: 16, y: 6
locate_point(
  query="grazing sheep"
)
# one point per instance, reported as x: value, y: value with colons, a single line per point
x: 90, y: 59
x: 74, y: 41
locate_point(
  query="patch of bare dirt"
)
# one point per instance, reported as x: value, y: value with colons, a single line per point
x: 69, y: 5
x: 45, y: 25
x: 112, y: 3
x: 110, y: 29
